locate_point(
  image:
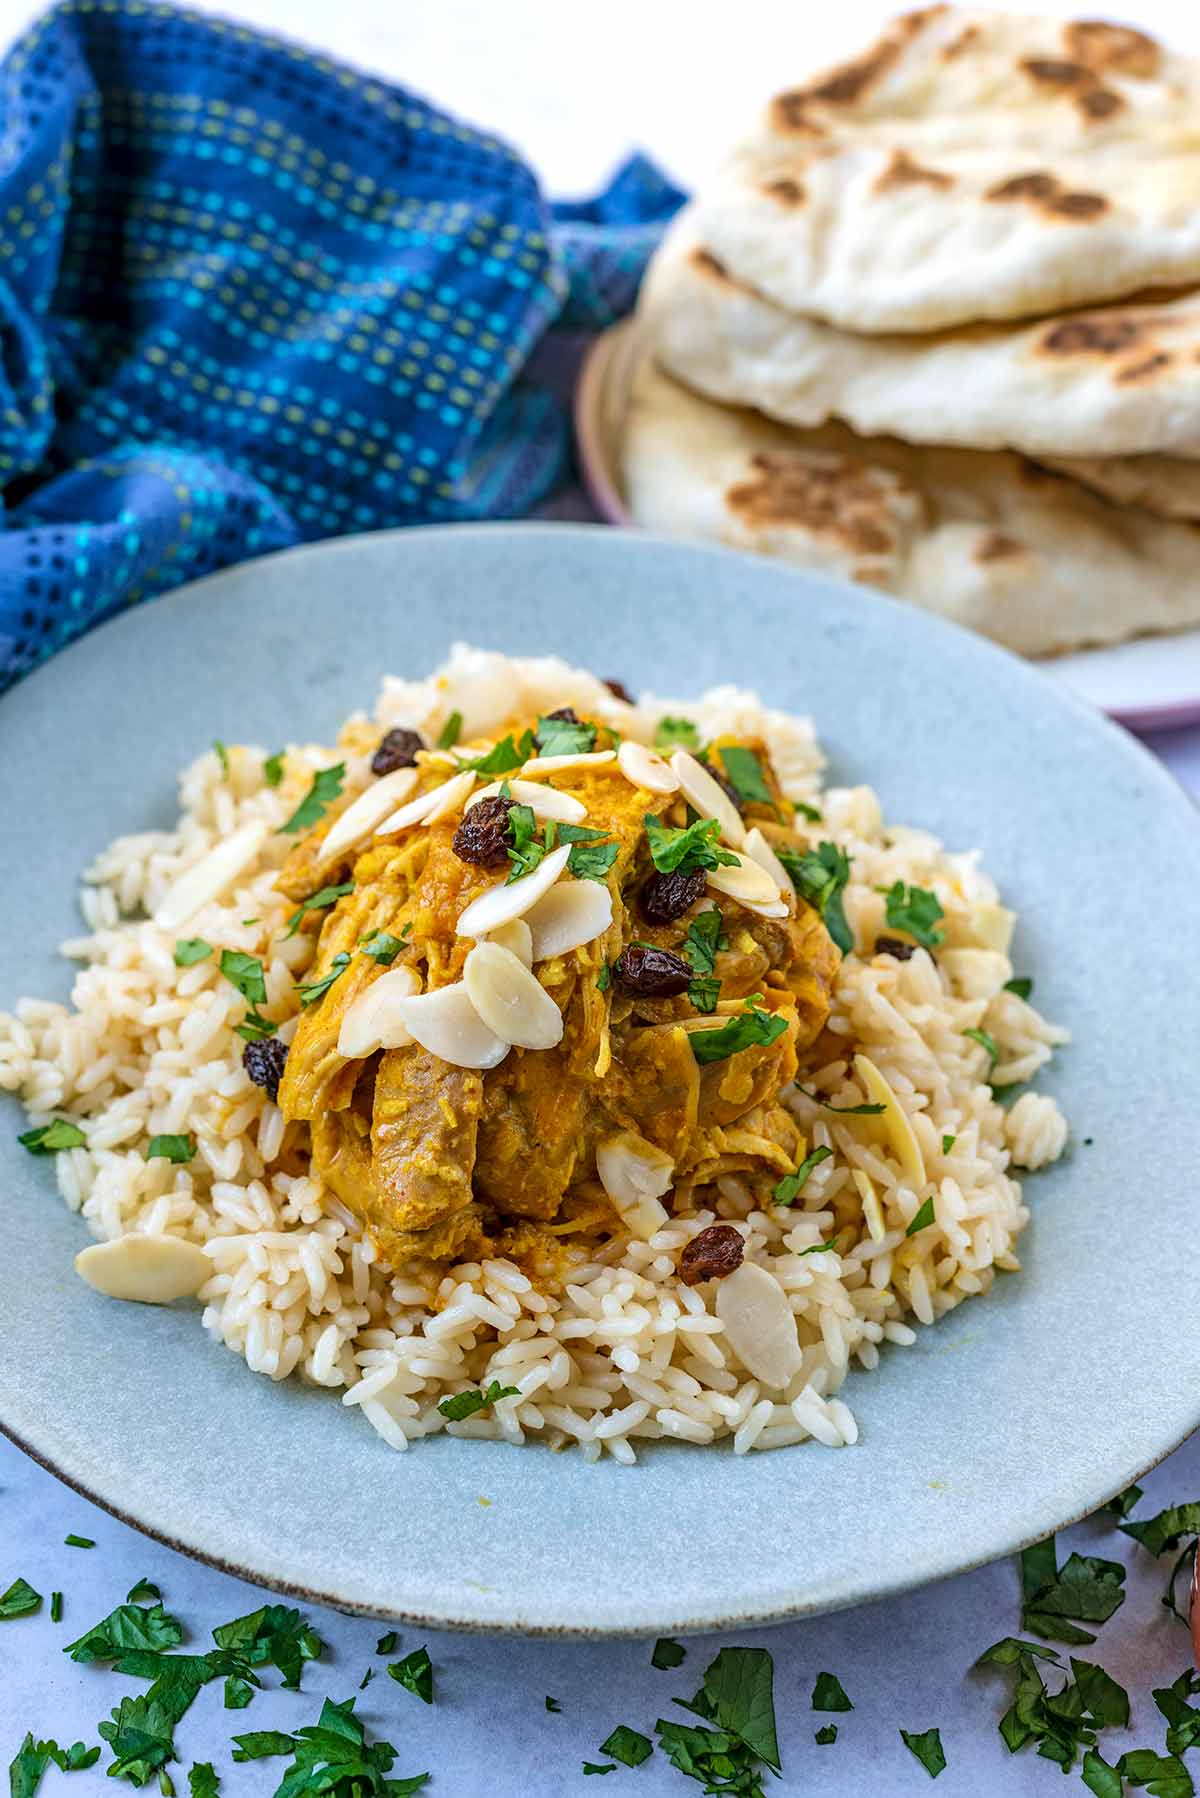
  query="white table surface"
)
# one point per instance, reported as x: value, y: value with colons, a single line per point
x: 576, y: 89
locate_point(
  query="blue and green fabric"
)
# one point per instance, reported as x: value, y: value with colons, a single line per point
x: 249, y: 297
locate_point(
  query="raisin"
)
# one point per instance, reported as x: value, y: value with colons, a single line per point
x: 652, y: 973
x: 619, y: 690
x: 666, y: 897
x: 482, y: 837
x: 398, y: 749
x: 894, y: 945
x: 727, y: 787
x: 264, y: 1062
x: 712, y: 1254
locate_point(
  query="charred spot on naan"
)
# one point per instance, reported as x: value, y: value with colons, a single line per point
x: 1134, y: 373
x: 903, y: 171
x: 708, y: 265
x: 853, y: 81
x: 827, y: 495
x: 785, y: 190
x: 994, y: 546
x: 970, y: 34
x: 1094, y: 335
x: 1112, y: 49
x: 1078, y: 81
x: 1046, y: 191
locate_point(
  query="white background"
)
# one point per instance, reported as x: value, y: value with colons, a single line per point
x: 575, y: 88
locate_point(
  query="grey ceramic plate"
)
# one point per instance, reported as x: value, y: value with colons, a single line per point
x: 1018, y: 1412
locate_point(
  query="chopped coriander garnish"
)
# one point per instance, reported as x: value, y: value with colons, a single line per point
x: 238, y: 1692
x: 191, y: 949
x: 1163, y: 1775
x: 222, y: 756
x: 928, y: 1749
x: 387, y: 1643
x: 948, y: 1143
x: 316, y: 902
x: 595, y: 1767
x: 1085, y: 1588
x: 383, y: 947
x: 808, y: 811
x: 704, y: 993
x: 50, y: 1139
x: 829, y: 1694
x: 166, y: 1784
x: 245, y: 972
x: 1179, y: 1524
x: 310, y: 991
x: 986, y: 1041
x: 676, y: 733
x: 916, y: 911
x: 262, y: 1744
x: 332, y: 1756
x: 590, y: 859
x: 745, y: 774
x: 273, y: 1636
x: 852, y: 1111
x: 1022, y: 986
x: 143, y: 1590
x: 273, y: 768
x: 604, y: 978
x: 552, y: 1704
x: 737, y: 1695
x: 20, y: 1600
x: 1059, y: 1722
x: 254, y: 1027
x: 744, y: 1030
x: 525, y: 849
x: 687, y: 849
x: 504, y: 756
x: 922, y: 1220
x: 203, y: 1781
x: 326, y: 787
x: 559, y: 736
x: 1124, y: 1502
x: 628, y: 1746
x: 127, y: 1628
x: 56, y: 1607
x: 33, y: 1757
x: 789, y: 1188
x: 78, y: 1542
x: 668, y: 1653
x: 822, y: 1248
x: 415, y: 1674
x: 450, y: 732
x: 179, y: 1149
x: 1183, y: 1720
x: 466, y: 1404
x: 819, y: 876
x: 826, y: 1735
x: 704, y: 941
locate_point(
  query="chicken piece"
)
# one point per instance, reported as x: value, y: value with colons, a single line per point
x: 731, y: 1087
x: 341, y: 1154
x: 532, y: 1134
x: 653, y: 1087
x: 423, y: 1132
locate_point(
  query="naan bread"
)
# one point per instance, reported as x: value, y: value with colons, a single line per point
x: 969, y: 165
x: 983, y: 537
x: 1158, y: 484
x: 1120, y: 381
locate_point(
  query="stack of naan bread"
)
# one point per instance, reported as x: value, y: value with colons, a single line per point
x: 936, y: 327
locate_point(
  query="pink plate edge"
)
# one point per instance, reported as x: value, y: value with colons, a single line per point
x: 601, y: 486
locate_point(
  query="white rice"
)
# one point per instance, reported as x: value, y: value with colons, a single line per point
x: 624, y: 1353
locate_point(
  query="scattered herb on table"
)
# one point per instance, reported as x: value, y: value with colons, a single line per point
x: 745, y: 774
x: 825, y: 1735
x: 1178, y: 1524
x: 790, y: 1187
x: 319, y: 901
x: 326, y: 787
x: 1085, y: 1588
x: 676, y: 733
x: 179, y: 1149
x: 465, y: 1404
x: 1062, y: 1722
x: 552, y: 1704
x: 737, y: 1705
x: 1123, y: 1503
x: 56, y: 1607
x: 415, y: 1674
x: 331, y: 1756
x: 668, y: 1653
x: 33, y: 1757
x: 820, y: 876
x: 628, y: 1746
x: 50, y: 1139
x: 78, y: 1542
x: 928, y: 1749
x: 829, y: 1694
x: 744, y: 1030
x: 203, y: 1781
x: 191, y: 949
x: 387, y: 1643
x: 595, y: 1767
x: 273, y: 1636
x: 1183, y: 1719
x: 916, y: 911
x: 309, y: 992
x: 20, y: 1600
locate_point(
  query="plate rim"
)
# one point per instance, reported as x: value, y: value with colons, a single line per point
x: 877, y: 1589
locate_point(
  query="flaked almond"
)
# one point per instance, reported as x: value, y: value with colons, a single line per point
x: 542, y: 765
x: 708, y: 798
x: 876, y: 1227
x: 759, y: 849
x: 543, y: 802
x: 750, y: 884
x: 517, y: 936
x: 427, y: 807
x: 373, y: 1021
x: 447, y: 1024
x: 210, y: 876
x: 759, y: 1325
x: 572, y: 913
x: 358, y: 820
x: 635, y: 1174
x: 646, y: 768
x: 510, y: 999
x: 504, y: 902
x: 149, y: 1270
x: 894, y: 1121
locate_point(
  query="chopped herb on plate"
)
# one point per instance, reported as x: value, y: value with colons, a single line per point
x: 564, y: 736
x: 688, y: 848
x: 319, y: 901
x: 851, y: 1111
x: 819, y: 876
x: 222, y: 755
x: 326, y: 787
x: 922, y: 1220
x: 179, y: 1149
x: 743, y: 1031
x: 745, y: 774
x: 310, y: 991
x: 676, y: 733
x: 789, y: 1188
x: 50, y: 1139
x: 948, y: 1143
x: 191, y: 949
x: 916, y: 911
x: 465, y: 1404
x: 505, y: 756
x: 273, y: 768
x: 383, y: 947
x: 245, y: 972
x: 986, y: 1042
x: 1022, y: 986
x: 450, y: 732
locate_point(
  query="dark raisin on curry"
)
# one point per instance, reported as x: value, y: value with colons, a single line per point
x: 895, y: 945
x: 666, y: 897
x: 264, y: 1061
x: 397, y: 749
x: 712, y: 1254
x: 652, y: 973
x: 482, y: 837
x: 619, y: 690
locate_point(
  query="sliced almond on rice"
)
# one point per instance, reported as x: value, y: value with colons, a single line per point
x: 750, y: 884
x: 358, y: 821
x: 208, y: 879
x: 635, y: 1174
x: 572, y: 913
x: 709, y: 799
x: 510, y: 999
x: 506, y: 901
x: 542, y: 765
x: 543, y: 802
x: 759, y: 1325
x: 894, y: 1121
x: 876, y: 1228
x: 646, y: 768
x: 759, y: 849
x: 447, y: 1024
x: 150, y: 1270
x: 373, y: 1021
x: 517, y: 936
x: 426, y: 808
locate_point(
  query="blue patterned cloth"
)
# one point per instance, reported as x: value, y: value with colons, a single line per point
x: 249, y: 297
